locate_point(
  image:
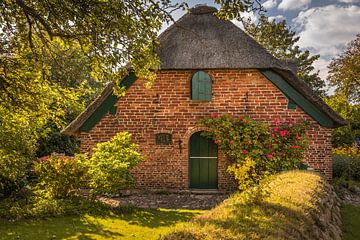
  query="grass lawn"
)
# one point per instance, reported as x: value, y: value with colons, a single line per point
x: 132, y: 224
x: 351, y: 222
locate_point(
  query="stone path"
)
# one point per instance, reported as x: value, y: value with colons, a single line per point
x: 170, y: 201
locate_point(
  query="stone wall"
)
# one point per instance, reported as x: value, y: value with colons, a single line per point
x: 326, y: 217
x: 167, y: 107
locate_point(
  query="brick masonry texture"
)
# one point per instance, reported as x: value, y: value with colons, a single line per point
x: 167, y: 107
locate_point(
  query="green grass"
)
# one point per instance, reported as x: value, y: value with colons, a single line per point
x: 350, y: 215
x: 278, y: 209
x: 131, y: 224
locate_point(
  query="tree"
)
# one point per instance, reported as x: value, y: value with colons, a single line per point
x: 51, y: 51
x: 345, y: 136
x: 281, y: 41
x: 112, y: 34
x: 344, y: 72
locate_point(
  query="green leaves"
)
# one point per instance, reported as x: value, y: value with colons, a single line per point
x: 344, y: 72
x: 111, y: 163
x: 59, y: 176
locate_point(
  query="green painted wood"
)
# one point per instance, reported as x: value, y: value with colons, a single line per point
x: 202, y: 162
x: 112, y: 110
x: 298, y: 99
x: 106, y: 106
x: 291, y: 104
x: 201, y: 89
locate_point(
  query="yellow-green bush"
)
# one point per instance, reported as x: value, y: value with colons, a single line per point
x: 109, y: 167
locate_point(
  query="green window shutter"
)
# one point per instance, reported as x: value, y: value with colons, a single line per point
x: 201, y: 87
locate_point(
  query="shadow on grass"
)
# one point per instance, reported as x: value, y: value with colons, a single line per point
x: 350, y: 215
x: 154, y: 218
x: 55, y: 228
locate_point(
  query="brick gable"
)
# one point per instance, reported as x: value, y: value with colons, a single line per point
x: 167, y: 107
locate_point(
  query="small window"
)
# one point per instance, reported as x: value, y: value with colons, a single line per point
x: 291, y: 104
x: 201, y: 86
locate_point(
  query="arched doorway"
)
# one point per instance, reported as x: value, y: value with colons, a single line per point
x: 203, y: 154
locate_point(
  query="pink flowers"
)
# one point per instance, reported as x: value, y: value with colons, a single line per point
x: 276, y: 129
x: 295, y: 147
x: 232, y: 142
x: 270, y: 156
x: 45, y: 158
x: 247, y: 142
x: 283, y: 132
x: 276, y: 122
x: 245, y: 151
x: 214, y: 115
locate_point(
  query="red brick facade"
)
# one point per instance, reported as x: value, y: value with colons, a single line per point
x: 167, y: 107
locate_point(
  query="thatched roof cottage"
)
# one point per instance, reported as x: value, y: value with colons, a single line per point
x: 207, y: 66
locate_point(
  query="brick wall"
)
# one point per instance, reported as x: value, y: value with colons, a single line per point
x: 167, y: 107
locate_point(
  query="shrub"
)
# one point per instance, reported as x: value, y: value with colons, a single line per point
x: 13, y: 172
x: 60, y: 176
x: 41, y: 207
x: 346, y: 163
x: 257, y: 149
x: 111, y: 164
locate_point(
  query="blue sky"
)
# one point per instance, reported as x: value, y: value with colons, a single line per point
x: 324, y: 26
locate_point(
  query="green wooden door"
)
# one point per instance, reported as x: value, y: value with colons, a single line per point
x: 202, y: 162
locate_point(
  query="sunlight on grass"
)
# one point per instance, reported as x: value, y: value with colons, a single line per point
x: 130, y: 224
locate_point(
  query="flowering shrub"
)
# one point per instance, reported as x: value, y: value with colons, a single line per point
x: 257, y: 149
x: 59, y: 176
x: 111, y: 163
x: 346, y: 164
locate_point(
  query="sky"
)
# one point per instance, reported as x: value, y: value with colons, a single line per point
x: 324, y: 26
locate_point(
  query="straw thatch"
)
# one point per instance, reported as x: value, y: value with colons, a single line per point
x: 200, y: 40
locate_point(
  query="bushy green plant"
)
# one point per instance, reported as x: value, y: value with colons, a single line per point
x: 346, y: 164
x: 39, y: 206
x: 60, y: 176
x: 13, y: 174
x: 111, y: 163
x: 256, y: 149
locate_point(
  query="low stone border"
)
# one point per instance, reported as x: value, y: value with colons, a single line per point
x: 167, y: 200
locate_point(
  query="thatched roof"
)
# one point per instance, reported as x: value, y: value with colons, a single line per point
x: 200, y: 40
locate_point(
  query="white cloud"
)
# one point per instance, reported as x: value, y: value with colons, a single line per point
x: 294, y: 4
x: 246, y: 16
x: 269, y: 4
x: 349, y: 1
x: 276, y: 18
x: 326, y: 31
